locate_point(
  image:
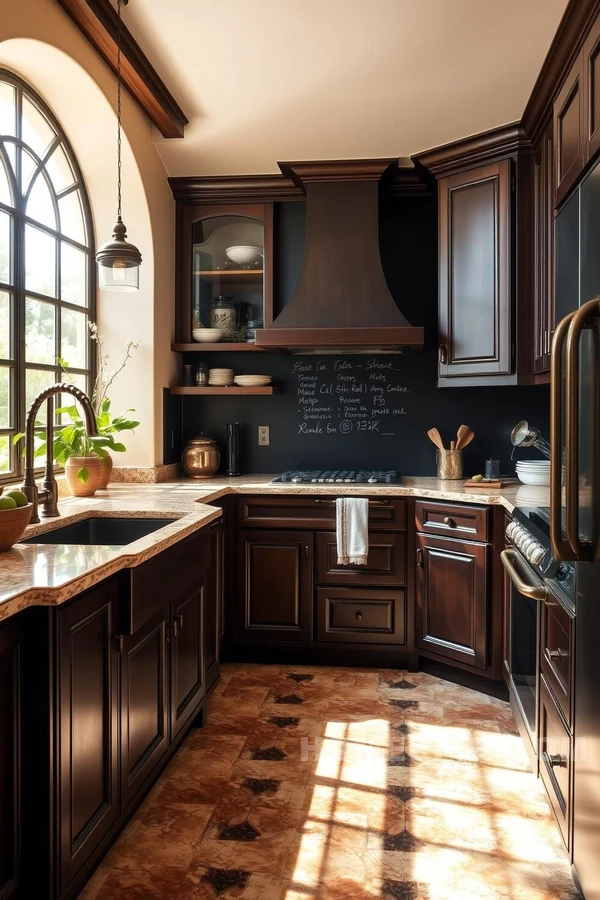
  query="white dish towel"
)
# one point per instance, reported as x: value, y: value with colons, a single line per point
x: 352, y: 530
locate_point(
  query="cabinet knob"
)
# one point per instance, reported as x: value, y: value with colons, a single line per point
x: 449, y: 522
x: 118, y: 638
x: 557, y: 760
x: 443, y: 354
x: 419, y: 557
x: 359, y: 616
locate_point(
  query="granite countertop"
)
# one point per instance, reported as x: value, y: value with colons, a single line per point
x: 50, y: 574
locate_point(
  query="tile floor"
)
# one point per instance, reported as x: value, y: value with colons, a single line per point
x: 313, y: 783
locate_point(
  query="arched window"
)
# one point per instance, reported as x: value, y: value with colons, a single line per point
x: 47, y: 278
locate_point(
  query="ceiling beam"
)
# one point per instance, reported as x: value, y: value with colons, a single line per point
x: 99, y: 22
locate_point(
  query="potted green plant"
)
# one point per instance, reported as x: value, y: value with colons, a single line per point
x: 87, y: 460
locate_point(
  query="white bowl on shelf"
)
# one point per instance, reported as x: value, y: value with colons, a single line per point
x: 244, y: 255
x: 540, y: 477
x: 207, y: 335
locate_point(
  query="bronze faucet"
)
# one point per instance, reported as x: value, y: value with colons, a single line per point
x: 48, y: 498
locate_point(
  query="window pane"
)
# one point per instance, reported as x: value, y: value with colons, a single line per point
x: 5, y: 229
x: 5, y: 465
x: 40, y: 262
x: 5, y: 340
x: 73, y: 282
x: 11, y: 152
x: 39, y: 205
x: 28, y: 167
x: 59, y: 169
x: 74, y: 338
x: 35, y: 131
x: 5, y: 192
x: 7, y: 109
x: 79, y: 381
x: 35, y: 381
x: 5, y: 397
x: 40, y: 342
x: 71, y: 217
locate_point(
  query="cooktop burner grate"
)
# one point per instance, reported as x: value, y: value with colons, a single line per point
x: 338, y: 476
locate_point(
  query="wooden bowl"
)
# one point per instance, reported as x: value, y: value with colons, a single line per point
x: 13, y: 523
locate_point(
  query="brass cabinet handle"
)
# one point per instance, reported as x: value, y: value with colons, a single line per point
x: 419, y: 557
x: 450, y: 522
x: 560, y: 547
x: 118, y: 638
x: 551, y: 655
x: 557, y: 760
x: 534, y: 592
x: 371, y: 502
x: 443, y: 354
x: 359, y: 616
x: 589, y: 309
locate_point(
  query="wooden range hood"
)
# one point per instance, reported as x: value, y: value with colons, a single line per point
x: 342, y: 302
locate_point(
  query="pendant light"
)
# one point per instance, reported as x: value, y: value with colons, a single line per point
x: 118, y: 260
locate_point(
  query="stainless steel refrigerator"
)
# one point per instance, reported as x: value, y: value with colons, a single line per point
x: 575, y: 494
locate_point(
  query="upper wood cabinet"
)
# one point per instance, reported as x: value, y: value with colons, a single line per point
x: 475, y: 308
x: 591, y: 92
x: 543, y: 275
x: 568, y: 118
x: 214, y: 258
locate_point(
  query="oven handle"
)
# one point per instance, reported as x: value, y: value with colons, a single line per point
x: 371, y: 502
x: 534, y: 592
x: 561, y: 549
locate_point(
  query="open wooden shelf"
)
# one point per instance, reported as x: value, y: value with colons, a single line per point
x: 234, y: 390
x: 219, y: 347
x: 231, y: 276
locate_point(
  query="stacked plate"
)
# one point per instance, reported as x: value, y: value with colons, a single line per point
x: 252, y: 380
x: 220, y: 377
x: 534, y: 471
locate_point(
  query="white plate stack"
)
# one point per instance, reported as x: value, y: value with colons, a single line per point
x: 252, y: 380
x: 220, y: 377
x: 534, y: 471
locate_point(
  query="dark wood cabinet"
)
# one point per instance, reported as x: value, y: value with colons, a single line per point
x: 543, y: 271
x: 187, y: 656
x: 10, y: 759
x: 591, y: 92
x: 568, y: 113
x: 386, y: 562
x: 361, y: 615
x: 275, y: 597
x: 475, y: 308
x: 213, y: 608
x: 556, y: 760
x: 144, y: 702
x: 87, y: 724
x: 452, y: 599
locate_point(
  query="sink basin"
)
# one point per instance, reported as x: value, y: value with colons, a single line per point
x: 108, y: 532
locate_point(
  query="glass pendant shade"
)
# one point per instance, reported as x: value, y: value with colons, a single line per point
x: 119, y: 262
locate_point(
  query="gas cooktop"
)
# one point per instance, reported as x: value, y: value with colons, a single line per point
x: 337, y: 476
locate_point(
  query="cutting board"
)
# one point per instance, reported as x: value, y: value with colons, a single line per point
x: 488, y: 485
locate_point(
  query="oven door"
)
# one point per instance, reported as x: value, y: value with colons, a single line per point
x: 526, y: 591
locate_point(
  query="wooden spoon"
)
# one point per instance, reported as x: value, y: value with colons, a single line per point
x: 466, y: 439
x: 460, y: 434
x: 434, y: 435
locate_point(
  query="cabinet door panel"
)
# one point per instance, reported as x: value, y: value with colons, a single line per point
x: 452, y: 599
x: 543, y: 251
x: 88, y: 709
x: 187, y: 657
x: 568, y: 132
x: 213, y: 609
x: 9, y: 760
x: 386, y: 563
x: 591, y: 91
x: 275, y: 598
x: 361, y: 615
x: 144, y: 726
x: 474, y: 272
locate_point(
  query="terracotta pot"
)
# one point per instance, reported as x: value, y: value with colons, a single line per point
x: 96, y: 473
x: 13, y: 523
x: 107, y: 467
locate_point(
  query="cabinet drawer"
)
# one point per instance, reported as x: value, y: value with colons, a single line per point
x: 364, y: 616
x: 165, y: 577
x: 385, y: 513
x: 386, y: 562
x: 557, y: 654
x: 555, y: 759
x: 452, y: 519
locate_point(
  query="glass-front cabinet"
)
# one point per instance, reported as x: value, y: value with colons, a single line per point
x: 225, y: 267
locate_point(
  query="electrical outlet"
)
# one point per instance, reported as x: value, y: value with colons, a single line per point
x: 264, y: 436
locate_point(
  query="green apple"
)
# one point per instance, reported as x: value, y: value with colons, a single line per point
x: 18, y: 496
x: 7, y: 503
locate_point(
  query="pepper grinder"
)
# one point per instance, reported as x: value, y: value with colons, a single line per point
x: 233, y: 449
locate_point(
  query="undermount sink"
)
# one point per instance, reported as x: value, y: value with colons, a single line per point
x: 105, y: 531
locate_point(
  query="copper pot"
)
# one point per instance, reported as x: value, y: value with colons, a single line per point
x: 201, y: 457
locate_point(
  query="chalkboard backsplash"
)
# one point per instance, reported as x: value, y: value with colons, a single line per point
x: 360, y: 412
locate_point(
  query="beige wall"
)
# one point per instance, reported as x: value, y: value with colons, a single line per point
x: 40, y: 43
